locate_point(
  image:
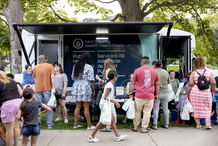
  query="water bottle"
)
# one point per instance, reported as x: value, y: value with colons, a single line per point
x: 125, y: 92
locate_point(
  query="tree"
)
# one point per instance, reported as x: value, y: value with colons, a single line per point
x: 27, y: 11
x: 14, y: 13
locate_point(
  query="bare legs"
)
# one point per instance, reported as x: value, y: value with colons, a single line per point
x: 61, y: 106
x: 86, y: 106
x: 57, y: 109
x: 77, y: 112
x: 33, y: 140
x: 113, y: 124
x: 16, y: 132
x: 12, y: 131
x: 9, y: 132
x: 198, y: 124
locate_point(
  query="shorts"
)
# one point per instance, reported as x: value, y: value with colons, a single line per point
x: 60, y: 97
x: 31, y: 130
x: 9, y: 110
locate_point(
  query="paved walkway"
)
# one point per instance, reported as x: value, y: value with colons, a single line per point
x: 186, y: 136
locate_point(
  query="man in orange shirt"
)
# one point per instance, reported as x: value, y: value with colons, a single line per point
x: 44, y: 84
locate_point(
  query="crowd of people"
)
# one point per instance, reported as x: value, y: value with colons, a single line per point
x: 21, y: 103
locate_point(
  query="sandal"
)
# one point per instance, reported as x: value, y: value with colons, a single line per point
x: 208, y: 127
x: 134, y: 129
x: 153, y: 128
x: 163, y: 126
x: 105, y: 130
x: 93, y: 140
x: 198, y: 126
x: 145, y: 131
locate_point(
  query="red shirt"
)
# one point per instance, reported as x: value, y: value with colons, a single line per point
x: 145, y: 78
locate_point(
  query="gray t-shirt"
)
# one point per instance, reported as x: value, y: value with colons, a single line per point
x: 59, y: 83
x: 31, y: 117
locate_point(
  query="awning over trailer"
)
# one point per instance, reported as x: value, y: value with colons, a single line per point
x: 92, y: 28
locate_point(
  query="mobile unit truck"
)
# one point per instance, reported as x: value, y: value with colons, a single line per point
x: 124, y: 42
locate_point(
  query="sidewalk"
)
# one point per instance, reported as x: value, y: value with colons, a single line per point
x: 186, y: 136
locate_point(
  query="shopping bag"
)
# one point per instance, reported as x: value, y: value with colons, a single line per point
x: 187, y: 108
x: 105, y: 117
x: 130, y: 114
x: 185, y: 113
x: 171, y: 93
x: 52, y: 101
x: 126, y: 105
x: 176, y: 99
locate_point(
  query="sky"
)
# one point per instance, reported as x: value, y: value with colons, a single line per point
x: 115, y: 7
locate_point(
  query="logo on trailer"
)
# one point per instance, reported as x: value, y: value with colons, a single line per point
x: 78, y: 43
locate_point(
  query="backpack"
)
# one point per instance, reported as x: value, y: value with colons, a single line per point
x: 202, y: 83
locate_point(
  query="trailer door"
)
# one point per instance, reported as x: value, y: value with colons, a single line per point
x: 51, y: 47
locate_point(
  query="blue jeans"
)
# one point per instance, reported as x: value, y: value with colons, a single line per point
x: 39, y: 97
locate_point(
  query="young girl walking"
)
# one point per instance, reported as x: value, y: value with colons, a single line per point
x: 108, y: 93
x: 29, y: 111
x: 182, y: 98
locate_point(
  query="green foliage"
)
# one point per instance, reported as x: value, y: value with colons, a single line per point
x: 86, y: 6
x: 4, y: 40
x: 44, y: 11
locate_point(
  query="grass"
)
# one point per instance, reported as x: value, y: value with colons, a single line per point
x: 60, y: 125
x: 173, y: 67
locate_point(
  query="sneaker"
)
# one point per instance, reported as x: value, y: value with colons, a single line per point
x: 49, y: 127
x: 93, y: 140
x: 65, y: 120
x: 122, y: 137
x: 78, y: 126
x: 176, y: 122
x: 91, y: 128
x: 58, y: 119
x: 183, y: 122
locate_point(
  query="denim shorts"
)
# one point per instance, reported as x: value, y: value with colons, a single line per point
x: 31, y: 130
x: 60, y: 97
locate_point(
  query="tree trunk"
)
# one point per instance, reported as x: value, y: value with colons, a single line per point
x: 131, y: 10
x: 14, y: 13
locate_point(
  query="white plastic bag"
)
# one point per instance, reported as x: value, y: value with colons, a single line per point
x: 52, y: 101
x: 126, y: 105
x: 105, y: 117
x: 176, y: 99
x: 187, y: 108
x: 171, y: 93
x: 130, y: 114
